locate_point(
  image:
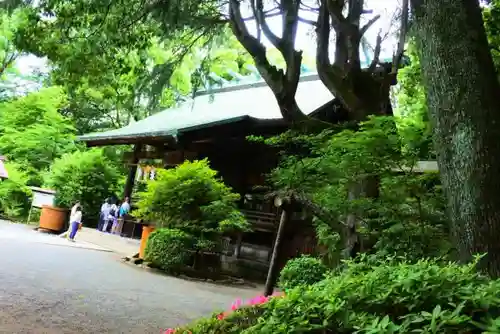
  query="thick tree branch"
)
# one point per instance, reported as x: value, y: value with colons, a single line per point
x: 355, y: 11
x: 352, y: 31
x: 261, y: 21
x: 376, y: 54
x: 257, y: 18
x: 292, y: 57
x: 267, y: 14
x: 323, y: 214
x: 323, y: 38
x: 335, y: 77
x: 249, y: 42
x: 367, y: 26
x: 308, y: 8
x: 306, y: 21
x: 402, y: 37
x: 335, y: 8
x: 283, y: 85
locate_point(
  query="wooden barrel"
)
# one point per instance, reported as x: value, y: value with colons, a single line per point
x: 52, y: 218
x: 146, y: 231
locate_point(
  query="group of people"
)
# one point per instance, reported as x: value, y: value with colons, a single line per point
x: 112, y: 216
x: 110, y: 219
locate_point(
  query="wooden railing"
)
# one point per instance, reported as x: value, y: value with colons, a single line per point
x: 261, y: 221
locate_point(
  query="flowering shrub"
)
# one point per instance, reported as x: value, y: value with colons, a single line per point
x: 238, y: 304
x: 373, y: 295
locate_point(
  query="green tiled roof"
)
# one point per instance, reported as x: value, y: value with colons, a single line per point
x: 224, y: 105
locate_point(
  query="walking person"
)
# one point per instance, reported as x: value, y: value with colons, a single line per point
x: 76, y: 222
x: 73, y: 211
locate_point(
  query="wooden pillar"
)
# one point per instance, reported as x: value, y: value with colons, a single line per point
x: 129, y: 185
x: 273, y: 264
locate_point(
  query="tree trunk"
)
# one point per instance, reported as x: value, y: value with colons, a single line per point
x: 129, y: 184
x: 462, y: 90
x: 368, y: 187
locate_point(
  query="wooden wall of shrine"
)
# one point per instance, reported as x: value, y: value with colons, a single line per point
x: 242, y: 165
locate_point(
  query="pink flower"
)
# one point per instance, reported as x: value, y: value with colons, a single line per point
x: 170, y: 331
x: 236, y: 305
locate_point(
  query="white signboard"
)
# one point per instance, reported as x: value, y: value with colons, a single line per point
x: 42, y: 197
x: 3, y: 171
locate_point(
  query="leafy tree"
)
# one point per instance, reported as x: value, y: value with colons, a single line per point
x: 184, y: 25
x: 14, y: 192
x: 411, y: 106
x: 124, y: 74
x: 33, y: 132
x: 491, y: 15
x: 84, y: 176
x: 406, y: 217
x: 11, y: 22
x: 192, y: 199
x: 461, y: 84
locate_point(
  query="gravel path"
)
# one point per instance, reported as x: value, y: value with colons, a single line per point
x: 52, y: 289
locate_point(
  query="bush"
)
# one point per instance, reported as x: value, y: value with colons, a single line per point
x: 85, y: 176
x: 193, y: 199
x: 15, y: 195
x: 388, y: 296
x: 169, y: 249
x: 304, y: 270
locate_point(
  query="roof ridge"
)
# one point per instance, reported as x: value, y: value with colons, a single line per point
x: 310, y: 76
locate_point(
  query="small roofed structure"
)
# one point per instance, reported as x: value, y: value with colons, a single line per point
x: 215, y: 125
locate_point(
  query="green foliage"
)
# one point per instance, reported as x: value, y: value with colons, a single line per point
x: 85, y: 176
x: 301, y: 271
x: 33, y: 132
x: 169, y: 249
x: 320, y: 170
x: 193, y: 199
x: 14, y: 193
x: 491, y: 17
x: 411, y: 107
x: 379, y: 296
x: 10, y: 23
x: 413, y: 221
x: 117, y: 66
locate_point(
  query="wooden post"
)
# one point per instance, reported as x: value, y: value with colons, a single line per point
x: 273, y: 264
x: 237, y: 250
x: 129, y: 185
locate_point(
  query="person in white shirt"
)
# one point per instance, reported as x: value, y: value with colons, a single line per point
x: 122, y: 212
x: 103, y: 218
x: 76, y: 221
x: 73, y: 211
x: 111, y: 217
